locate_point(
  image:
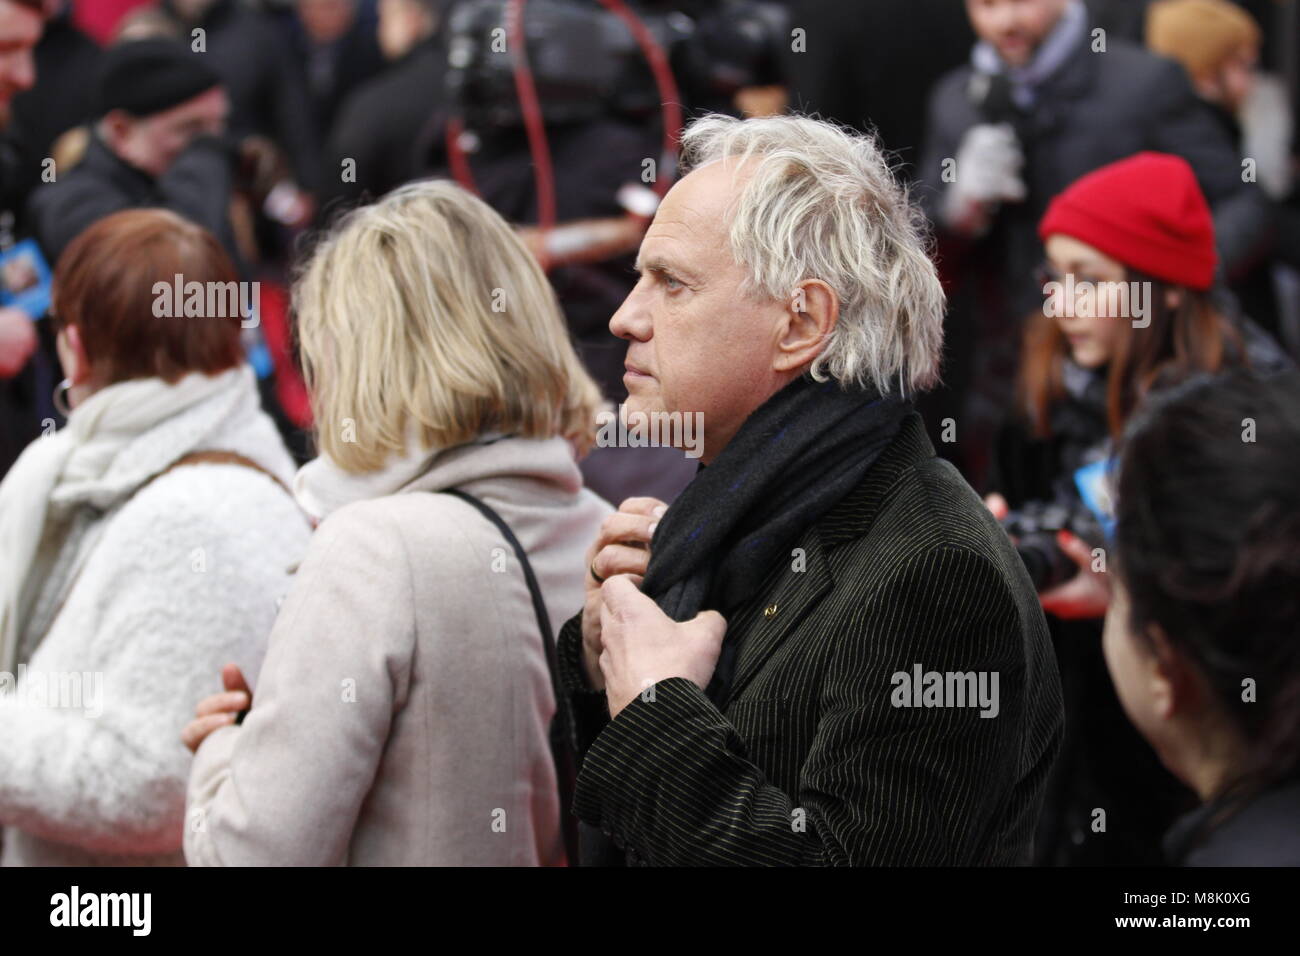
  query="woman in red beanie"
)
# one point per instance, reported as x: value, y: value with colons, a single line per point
x: 1128, y: 308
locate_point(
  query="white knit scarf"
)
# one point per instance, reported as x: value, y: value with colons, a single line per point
x: 112, y: 443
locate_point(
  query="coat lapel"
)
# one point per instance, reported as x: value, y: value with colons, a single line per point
x: 778, y: 609
x: 787, y: 595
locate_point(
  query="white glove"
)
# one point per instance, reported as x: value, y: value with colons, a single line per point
x: 989, y: 161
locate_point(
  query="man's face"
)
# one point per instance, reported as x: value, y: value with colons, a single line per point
x: 192, y: 10
x: 1014, y: 28
x: 401, y: 23
x: 696, y: 343
x: 20, y: 28
x: 1231, y: 85
x: 153, y: 143
x: 326, y: 20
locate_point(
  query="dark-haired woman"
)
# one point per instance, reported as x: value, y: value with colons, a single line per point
x: 1201, y: 637
x: 1128, y: 310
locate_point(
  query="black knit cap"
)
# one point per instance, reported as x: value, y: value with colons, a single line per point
x: 144, y: 77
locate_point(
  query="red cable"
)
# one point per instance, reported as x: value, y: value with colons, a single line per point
x: 456, y: 158
x: 664, y: 81
x: 535, y: 125
x: 532, y: 112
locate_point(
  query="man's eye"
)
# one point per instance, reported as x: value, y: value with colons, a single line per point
x: 671, y: 282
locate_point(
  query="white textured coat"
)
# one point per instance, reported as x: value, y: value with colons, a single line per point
x: 185, y: 578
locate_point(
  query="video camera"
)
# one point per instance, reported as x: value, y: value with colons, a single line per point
x: 586, y: 62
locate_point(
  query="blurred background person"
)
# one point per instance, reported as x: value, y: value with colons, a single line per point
x: 146, y: 543
x: 1201, y: 636
x: 337, y: 49
x: 374, y: 142
x: 872, y: 65
x: 268, y: 96
x: 64, y: 95
x: 157, y: 141
x: 419, y: 386
x: 1219, y: 45
x: 1043, y: 101
x: 1143, y: 226
x: 161, y: 138
x: 21, y: 23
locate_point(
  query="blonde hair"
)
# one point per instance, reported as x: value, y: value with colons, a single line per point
x: 424, y: 315
x: 823, y: 204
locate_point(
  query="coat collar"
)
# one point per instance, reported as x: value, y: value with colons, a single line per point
x: 102, y: 161
x: 856, y: 512
x: 794, y: 588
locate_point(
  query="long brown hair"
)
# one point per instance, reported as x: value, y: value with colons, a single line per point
x: 1191, y: 336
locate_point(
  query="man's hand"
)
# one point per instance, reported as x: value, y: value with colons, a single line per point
x: 988, y: 166
x: 621, y: 547
x: 17, y: 340
x: 643, y: 646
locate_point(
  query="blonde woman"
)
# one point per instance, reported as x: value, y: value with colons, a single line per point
x: 401, y: 717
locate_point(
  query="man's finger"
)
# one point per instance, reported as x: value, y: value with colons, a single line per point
x: 642, y: 506
x: 711, y: 622
x: 624, y: 527
x: 615, y: 559
x: 620, y: 594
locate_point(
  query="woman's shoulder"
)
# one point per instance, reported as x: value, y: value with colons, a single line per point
x: 215, y: 506
x: 442, y: 533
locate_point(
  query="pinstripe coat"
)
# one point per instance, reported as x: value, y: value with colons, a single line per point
x: 820, y: 754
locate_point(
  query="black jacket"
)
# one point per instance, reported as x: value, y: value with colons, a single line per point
x: 197, y: 186
x: 807, y: 761
x: 267, y: 92
x: 380, y: 126
x: 1264, y: 832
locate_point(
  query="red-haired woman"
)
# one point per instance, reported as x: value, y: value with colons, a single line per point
x: 1128, y: 309
x: 142, y: 547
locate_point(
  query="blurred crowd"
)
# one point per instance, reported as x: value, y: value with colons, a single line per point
x: 289, y: 145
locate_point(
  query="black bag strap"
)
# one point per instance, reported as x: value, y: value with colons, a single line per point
x: 565, y: 774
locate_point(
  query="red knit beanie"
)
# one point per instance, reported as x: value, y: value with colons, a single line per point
x: 1146, y: 211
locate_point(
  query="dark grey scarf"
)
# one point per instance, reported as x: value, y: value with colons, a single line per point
x: 794, y: 458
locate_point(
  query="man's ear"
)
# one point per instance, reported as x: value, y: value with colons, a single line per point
x: 1172, y: 680
x: 808, y: 320
x: 114, y: 127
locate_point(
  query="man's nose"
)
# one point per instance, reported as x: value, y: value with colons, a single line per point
x: 632, y: 320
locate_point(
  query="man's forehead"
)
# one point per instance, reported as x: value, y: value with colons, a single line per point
x: 695, y: 212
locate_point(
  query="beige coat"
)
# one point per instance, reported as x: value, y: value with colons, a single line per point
x: 401, y: 715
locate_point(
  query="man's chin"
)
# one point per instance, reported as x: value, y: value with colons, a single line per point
x: 640, y: 406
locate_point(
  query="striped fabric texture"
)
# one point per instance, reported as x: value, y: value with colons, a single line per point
x: 817, y: 756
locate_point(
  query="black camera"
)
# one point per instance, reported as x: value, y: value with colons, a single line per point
x: 1033, y: 529
x: 586, y: 62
